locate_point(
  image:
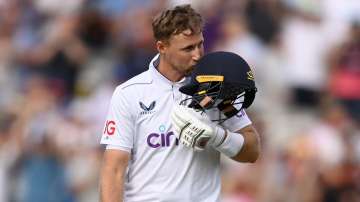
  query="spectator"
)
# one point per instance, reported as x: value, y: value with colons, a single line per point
x: 345, y: 73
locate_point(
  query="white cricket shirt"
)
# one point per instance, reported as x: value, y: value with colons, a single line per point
x: 160, y: 169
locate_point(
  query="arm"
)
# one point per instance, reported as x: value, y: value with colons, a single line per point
x: 112, y: 175
x: 251, y: 148
x: 196, y: 131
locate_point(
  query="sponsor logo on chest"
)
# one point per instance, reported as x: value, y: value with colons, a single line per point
x: 162, y: 138
x: 147, y: 109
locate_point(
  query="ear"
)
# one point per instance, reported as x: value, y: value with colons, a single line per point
x: 161, y: 46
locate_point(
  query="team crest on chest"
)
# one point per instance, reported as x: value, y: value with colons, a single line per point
x: 147, y: 109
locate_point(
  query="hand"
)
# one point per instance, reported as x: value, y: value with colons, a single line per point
x: 194, y: 129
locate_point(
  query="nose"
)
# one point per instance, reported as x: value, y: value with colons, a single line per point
x: 197, y: 54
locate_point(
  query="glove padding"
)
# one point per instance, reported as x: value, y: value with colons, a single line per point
x: 194, y: 129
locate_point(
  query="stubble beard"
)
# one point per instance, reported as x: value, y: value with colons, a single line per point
x: 183, y: 70
x: 188, y: 71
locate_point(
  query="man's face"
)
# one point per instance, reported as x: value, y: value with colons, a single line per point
x: 184, y: 50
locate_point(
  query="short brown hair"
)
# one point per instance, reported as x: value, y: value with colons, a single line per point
x: 174, y: 21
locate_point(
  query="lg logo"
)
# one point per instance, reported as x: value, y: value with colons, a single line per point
x: 109, y: 127
x: 156, y: 140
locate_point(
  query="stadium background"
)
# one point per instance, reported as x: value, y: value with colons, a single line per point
x: 60, y: 61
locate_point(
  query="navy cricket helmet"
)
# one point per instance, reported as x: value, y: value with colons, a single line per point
x: 222, y: 80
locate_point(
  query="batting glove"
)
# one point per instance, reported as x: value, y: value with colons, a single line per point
x: 194, y: 129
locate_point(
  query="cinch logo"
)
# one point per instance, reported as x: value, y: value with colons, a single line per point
x: 147, y: 110
x: 156, y: 140
x: 240, y: 113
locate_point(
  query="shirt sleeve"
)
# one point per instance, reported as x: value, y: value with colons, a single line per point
x: 237, y: 122
x: 119, y: 125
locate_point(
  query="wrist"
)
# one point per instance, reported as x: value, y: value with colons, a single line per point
x: 219, y: 136
x: 231, y: 145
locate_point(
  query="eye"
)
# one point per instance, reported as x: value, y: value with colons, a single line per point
x: 189, y: 48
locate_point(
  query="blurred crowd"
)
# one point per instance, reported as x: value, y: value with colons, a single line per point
x: 61, y: 60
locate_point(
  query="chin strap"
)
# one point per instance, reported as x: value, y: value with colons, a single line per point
x: 230, y: 107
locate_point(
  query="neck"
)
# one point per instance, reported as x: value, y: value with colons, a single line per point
x: 168, y: 71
